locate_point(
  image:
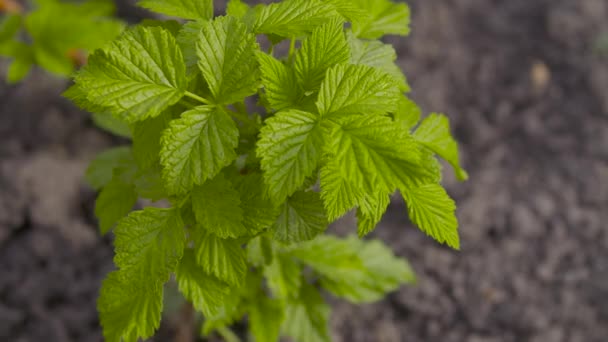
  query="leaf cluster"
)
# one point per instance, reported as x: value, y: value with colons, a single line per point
x: 249, y: 193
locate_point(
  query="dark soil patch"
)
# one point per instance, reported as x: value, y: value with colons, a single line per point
x: 527, y: 92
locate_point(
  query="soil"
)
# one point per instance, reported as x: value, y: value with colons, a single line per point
x: 526, y: 88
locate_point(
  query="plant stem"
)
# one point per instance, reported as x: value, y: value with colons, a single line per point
x: 198, y: 98
x: 292, y: 48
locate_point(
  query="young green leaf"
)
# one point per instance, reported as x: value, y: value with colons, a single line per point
x: 128, y: 312
x: 114, y: 202
x: 372, y: 153
x: 432, y: 210
x: 385, y: 17
x: 434, y: 133
x: 146, y: 139
x: 206, y: 292
x: 407, y: 114
x: 302, y: 218
x: 325, y: 48
x: 338, y: 194
x: 376, y: 54
x: 227, y: 60
x: 349, y: 10
x: 279, y: 81
x: 290, y: 148
x: 293, y: 18
x: 187, y: 39
x: 137, y: 76
x: 149, y: 244
x: 101, y: 169
x: 196, y: 147
x: 236, y: 8
x: 187, y: 9
x: 265, y: 318
x: 259, y: 212
x: 308, y: 317
x: 283, y: 276
x: 217, y: 209
x: 357, y: 89
x: 109, y: 123
x: 369, y: 215
x: 223, y: 258
x: 361, y: 272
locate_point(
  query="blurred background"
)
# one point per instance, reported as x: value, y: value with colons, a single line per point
x: 525, y: 83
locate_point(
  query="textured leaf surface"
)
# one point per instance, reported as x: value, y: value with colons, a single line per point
x: 368, y: 216
x: 338, y: 194
x: 325, y: 48
x: 196, y: 147
x: 226, y: 52
x: 149, y: 244
x: 259, y: 212
x: 308, y: 317
x: 302, y: 218
x: 434, y: 133
x: 111, y: 124
x: 385, y: 17
x: 290, y: 147
x: 187, y: 9
x: 127, y: 312
x: 137, y: 76
x: 408, y: 113
x: 357, y: 89
x: 293, y: 18
x: 204, y: 291
x: 217, y: 209
x: 432, y: 210
x: 114, y: 202
x: 279, y: 81
x: 372, y: 153
x: 223, y: 258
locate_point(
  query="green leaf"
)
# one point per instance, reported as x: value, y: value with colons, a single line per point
x: 433, y: 211
x: 359, y: 271
x: 279, y: 81
x: 217, y: 209
x: 259, y: 251
x: 187, y: 39
x: 111, y: 124
x: 78, y: 95
x: 349, y: 10
x: 385, y: 17
x: 114, y: 202
x: 226, y: 52
x: 371, y: 153
x: 149, y: 244
x: 138, y: 76
x: 237, y: 8
x: 325, y: 48
x: 302, y: 218
x: 146, y: 139
x: 290, y: 148
x: 283, y: 276
x: 18, y: 70
x: 149, y: 184
x: 196, y: 147
x: 376, y: 54
x: 357, y: 89
x: 434, y: 133
x: 187, y: 9
x: 259, y: 212
x: 293, y: 18
x: 223, y: 258
x: 368, y: 216
x: 101, y: 169
x: 407, y: 114
x: 172, y: 26
x: 204, y: 291
x: 338, y: 194
x: 308, y: 317
x: 126, y: 311
x: 265, y: 318
x: 10, y: 24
